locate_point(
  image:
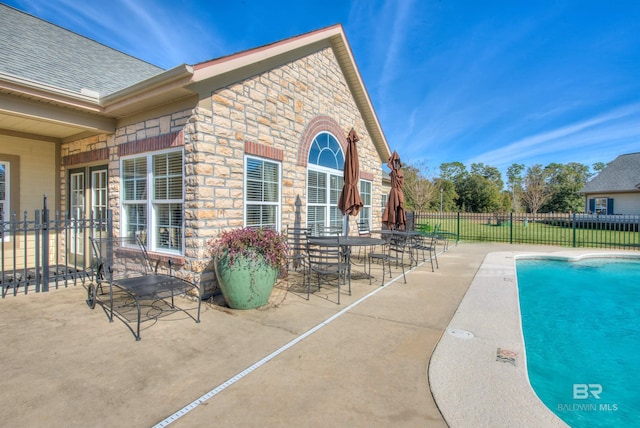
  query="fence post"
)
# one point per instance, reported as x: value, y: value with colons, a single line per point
x: 458, y: 226
x: 574, y: 230
x: 511, y: 227
x: 45, y: 246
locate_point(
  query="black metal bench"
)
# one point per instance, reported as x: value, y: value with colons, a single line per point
x: 126, y: 278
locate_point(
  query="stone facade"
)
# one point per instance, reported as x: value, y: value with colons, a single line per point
x: 275, y: 114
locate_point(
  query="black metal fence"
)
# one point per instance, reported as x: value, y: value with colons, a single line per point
x: 44, y: 250
x: 568, y: 230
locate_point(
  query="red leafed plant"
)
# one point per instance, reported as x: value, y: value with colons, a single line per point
x: 250, y: 242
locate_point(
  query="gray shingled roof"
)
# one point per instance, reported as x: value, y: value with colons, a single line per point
x: 621, y: 175
x: 33, y: 49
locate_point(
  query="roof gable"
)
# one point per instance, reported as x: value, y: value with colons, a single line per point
x: 620, y: 175
x: 233, y: 68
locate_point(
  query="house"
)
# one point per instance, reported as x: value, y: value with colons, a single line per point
x: 256, y: 138
x: 616, y: 189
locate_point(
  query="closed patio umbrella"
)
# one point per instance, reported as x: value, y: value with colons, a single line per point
x: 394, y: 215
x: 350, y: 201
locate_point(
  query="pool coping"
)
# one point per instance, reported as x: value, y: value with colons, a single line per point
x: 477, y: 373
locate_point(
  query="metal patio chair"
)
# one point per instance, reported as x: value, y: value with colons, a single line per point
x: 125, y: 277
x: 330, y: 264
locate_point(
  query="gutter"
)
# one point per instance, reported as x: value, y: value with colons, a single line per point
x: 180, y: 73
x: 86, y: 101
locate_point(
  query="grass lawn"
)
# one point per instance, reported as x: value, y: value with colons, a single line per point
x: 488, y: 228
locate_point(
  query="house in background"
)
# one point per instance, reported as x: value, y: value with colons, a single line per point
x: 616, y: 189
x: 252, y: 139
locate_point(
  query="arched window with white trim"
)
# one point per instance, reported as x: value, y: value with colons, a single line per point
x: 324, y: 182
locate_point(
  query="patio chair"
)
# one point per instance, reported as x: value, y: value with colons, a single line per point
x: 424, y: 244
x: 398, y: 249
x: 132, y: 286
x: 363, y: 230
x: 392, y: 251
x: 319, y: 231
x: 330, y: 264
x: 297, y: 244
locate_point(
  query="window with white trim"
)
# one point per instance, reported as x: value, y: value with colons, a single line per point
x: 152, y: 200
x: 324, y: 182
x: 262, y: 193
x: 5, y: 207
x: 365, y: 194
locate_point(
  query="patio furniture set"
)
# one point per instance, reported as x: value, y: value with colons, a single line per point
x: 328, y: 258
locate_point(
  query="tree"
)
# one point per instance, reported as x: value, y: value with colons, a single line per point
x: 447, y: 191
x: 456, y: 173
x: 491, y: 173
x: 564, y: 183
x: 599, y: 166
x: 479, y: 194
x: 419, y: 191
x: 453, y: 171
x: 535, y: 192
x: 514, y: 181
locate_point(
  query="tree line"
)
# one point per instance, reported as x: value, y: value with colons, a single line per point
x: 481, y: 188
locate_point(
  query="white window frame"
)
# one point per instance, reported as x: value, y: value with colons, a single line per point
x: 277, y: 203
x: 151, y: 204
x: 367, y: 197
x: 601, y: 205
x: 332, y: 215
x: 6, y: 202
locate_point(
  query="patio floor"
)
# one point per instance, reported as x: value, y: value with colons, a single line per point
x: 311, y: 362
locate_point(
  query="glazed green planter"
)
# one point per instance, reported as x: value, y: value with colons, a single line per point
x: 247, y: 284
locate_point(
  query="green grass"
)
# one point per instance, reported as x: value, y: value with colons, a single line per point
x: 485, y: 228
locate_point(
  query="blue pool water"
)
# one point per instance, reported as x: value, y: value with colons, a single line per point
x: 581, y: 326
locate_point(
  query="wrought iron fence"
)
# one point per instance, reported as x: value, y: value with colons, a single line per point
x: 43, y: 250
x: 568, y: 230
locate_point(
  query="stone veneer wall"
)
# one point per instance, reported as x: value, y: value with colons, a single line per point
x: 275, y: 109
x: 275, y: 114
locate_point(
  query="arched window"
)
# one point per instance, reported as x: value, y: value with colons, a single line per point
x: 324, y: 182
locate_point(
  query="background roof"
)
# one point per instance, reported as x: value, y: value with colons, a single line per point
x: 620, y: 175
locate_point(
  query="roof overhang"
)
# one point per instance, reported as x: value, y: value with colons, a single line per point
x: 32, y: 109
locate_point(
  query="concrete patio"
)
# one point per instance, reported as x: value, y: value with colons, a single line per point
x: 67, y: 366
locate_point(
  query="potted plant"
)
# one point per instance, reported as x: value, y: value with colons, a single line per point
x: 247, y: 261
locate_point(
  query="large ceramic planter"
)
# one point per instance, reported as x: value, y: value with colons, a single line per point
x: 247, y: 284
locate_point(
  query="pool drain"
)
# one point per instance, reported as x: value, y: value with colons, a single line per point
x: 460, y: 334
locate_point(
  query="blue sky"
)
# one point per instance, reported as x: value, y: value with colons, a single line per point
x: 497, y: 82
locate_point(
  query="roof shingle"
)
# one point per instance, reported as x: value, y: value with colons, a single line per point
x: 36, y: 50
x: 620, y: 175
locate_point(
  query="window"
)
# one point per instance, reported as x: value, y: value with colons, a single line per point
x: 99, y: 193
x: 262, y: 197
x: 601, y: 206
x: 152, y: 200
x: 324, y: 182
x: 76, y: 194
x: 365, y: 194
x: 5, y: 208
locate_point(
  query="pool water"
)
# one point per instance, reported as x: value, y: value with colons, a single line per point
x: 581, y: 326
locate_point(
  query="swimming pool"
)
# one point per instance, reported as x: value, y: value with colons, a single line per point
x: 581, y: 327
